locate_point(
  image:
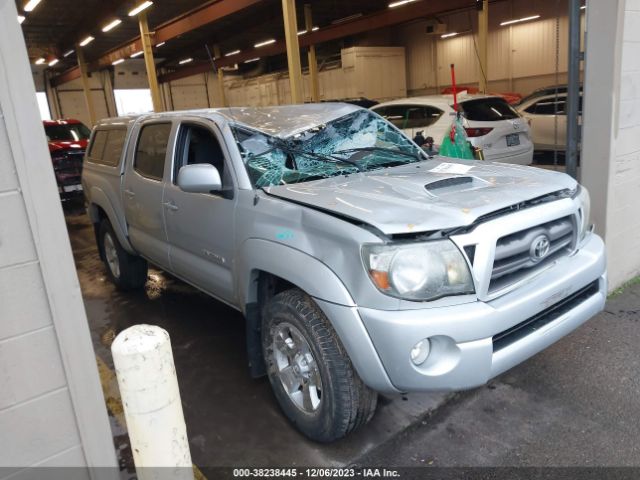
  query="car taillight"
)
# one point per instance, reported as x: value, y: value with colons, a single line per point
x: 477, y: 132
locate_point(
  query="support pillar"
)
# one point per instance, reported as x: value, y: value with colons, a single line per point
x: 573, y: 90
x: 314, y: 82
x: 483, y: 33
x: 293, y: 50
x: 86, y: 87
x: 221, y: 95
x: 149, y: 62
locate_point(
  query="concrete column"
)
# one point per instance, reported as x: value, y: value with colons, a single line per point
x: 86, y: 87
x: 293, y: 50
x: 149, y: 62
x: 610, y: 161
x: 483, y: 33
x: 222, y: 99
x: 313, y: 62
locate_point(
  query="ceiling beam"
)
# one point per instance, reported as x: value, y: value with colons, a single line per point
x: 196, y: 18
x: 373, y: 21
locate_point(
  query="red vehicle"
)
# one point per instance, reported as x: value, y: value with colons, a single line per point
x: 68, y: 141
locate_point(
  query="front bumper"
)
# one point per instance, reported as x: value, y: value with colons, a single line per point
x: 463, y: 354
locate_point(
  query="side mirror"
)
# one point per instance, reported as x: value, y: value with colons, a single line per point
x: 199, y: 178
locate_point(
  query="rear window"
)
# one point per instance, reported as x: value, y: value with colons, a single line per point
x: 488, y: 110
x: 106, y: 146
x: 68, y: 132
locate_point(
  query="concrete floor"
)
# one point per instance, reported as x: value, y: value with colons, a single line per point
x: 576, y: 403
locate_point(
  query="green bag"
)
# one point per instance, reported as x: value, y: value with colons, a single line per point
x: 459, y: 147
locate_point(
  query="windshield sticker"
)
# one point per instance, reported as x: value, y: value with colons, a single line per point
x: 445, y: 167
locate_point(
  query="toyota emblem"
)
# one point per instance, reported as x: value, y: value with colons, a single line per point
x: 539, y: 248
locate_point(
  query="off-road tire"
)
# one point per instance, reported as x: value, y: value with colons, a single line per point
x: 346, y: 402
x: 132, y: 269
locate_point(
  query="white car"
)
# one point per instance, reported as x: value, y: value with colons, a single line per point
x: 546, y: 113
x: 490, y: 122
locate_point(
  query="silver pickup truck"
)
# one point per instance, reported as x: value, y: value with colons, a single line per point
x: 360, y: 264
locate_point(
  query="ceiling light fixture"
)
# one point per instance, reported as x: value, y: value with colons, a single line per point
x: 447, y: 35
x: 519, y: 20
x: 252, y: 60
x: 583, y: 7
x: 87, y: 41
x: 70, y: 52
x: 137, y: 54
x: 53, y: 62
x: 266, y: 42
x: 40, y: 61
x: 302, y: 32
x: 111, y: 25
x: 21, y: 19
x: 160, y: 44
x: 118, y: 62
x: 235, y: 52
x: 400, y: 3
x: 140, y: 8
x: 186, y: 60
x: 31, y: 4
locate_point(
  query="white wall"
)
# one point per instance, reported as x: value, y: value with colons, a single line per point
x: 611, y: 150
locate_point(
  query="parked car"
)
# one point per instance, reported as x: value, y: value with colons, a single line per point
x: 68, y: 141
x: 360, y: 265
x: 545, y: 110
x: 489, y: 121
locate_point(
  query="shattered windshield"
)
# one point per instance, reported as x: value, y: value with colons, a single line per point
x: 358, y: 142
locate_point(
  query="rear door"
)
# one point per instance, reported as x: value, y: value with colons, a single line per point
x: 143, y: 189
x: 201, y: 227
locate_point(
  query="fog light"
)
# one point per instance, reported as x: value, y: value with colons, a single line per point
x: 420, y: 351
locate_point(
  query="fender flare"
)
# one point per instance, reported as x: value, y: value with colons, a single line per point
x: 100, y: 199
x: 292, y: 265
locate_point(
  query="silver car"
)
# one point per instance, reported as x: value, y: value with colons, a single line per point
x: 360, y: 265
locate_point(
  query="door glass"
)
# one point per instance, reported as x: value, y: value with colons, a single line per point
x: 151, y: 150
x: 548, y: 106
x: 199, y: 145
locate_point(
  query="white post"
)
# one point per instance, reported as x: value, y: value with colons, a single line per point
x: 151, y: 400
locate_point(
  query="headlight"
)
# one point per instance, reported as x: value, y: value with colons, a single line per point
x: 584, y: 212
x: 418, y: 271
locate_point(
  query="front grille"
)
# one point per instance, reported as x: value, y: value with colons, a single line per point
x: 514, y: 258
x: 530, y: 325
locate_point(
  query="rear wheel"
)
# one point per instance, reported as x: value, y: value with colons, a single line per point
x: 126, y: 271
x: 310, y: 372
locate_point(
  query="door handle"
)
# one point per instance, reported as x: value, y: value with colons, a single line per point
x: 130, y: 193
x: 170, y: 206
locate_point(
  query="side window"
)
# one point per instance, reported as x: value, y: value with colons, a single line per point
x: 197, y: 145
x: 548, y: 106
x: 420, y: 116
x: 151, y: 150
x: 113, y: 148
x: 96, y: 148
x: 395, y: 114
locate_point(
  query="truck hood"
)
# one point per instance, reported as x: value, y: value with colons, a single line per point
x: 426, y: 196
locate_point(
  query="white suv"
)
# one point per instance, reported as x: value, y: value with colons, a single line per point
x: 490, y: 122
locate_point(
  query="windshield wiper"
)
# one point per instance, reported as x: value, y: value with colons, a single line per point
x: 415, y: 156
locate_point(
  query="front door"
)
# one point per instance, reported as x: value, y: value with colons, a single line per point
x: 200, y: 227
x: 143, y: 190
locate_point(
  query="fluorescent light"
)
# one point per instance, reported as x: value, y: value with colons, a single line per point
x: 186, y: 60
x: 21, y: 19
x: 447, y: 35
x: 525, y: 19
x: 160, y: 44
x: 111, y: 25
x: 302, y: 32
x: 266, y: 42
x: 53, y: 62
x: 235, y: 52
x: 401, y: 2
x: 583, y: 7
x: 139, y: 8
x: 70, y: 52
x: 137, y: 54
x: 40, y: 61
x: 252, y: 60
x: 31, y: 4
x: 87, y: 41
x: 118, y: 62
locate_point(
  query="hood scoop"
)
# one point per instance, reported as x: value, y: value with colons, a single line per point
x: 447, y: 183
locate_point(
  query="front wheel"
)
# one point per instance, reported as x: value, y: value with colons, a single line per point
x: 310, y: 372
x: 126, y: 271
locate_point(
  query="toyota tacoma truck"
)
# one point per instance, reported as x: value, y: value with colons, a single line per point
x: 361, y: 265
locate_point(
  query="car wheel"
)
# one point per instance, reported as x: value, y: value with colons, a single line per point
x: 310, y: 372
x: 126, y: 271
